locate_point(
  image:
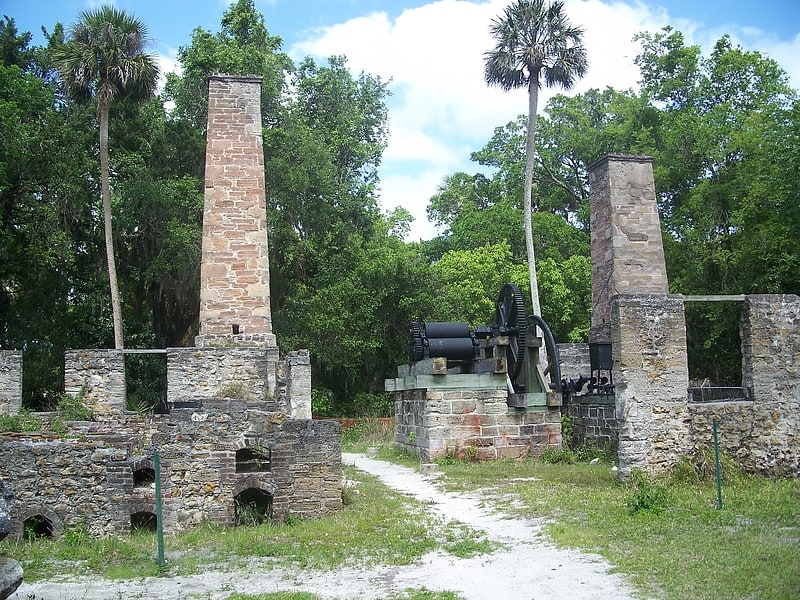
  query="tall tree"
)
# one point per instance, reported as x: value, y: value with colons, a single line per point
x: 534, y: 41
x: 104, y: 58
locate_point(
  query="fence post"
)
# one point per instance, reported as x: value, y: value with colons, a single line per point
x: 716, y: 464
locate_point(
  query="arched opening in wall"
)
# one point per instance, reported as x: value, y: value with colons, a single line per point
x: 144, y: 477
x: 143, y: 521
x: 252, y: 507
x: 37, y: 526
x: 255, y: 459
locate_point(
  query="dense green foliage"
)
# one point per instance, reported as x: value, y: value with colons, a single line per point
x: 724, y: 131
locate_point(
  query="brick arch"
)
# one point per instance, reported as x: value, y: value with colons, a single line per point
x: 141, y: 462
x: 254, y: 482
x: 141, y: 505
x: 32, y: 510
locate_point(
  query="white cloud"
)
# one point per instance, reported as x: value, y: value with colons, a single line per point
x: 441, y: 109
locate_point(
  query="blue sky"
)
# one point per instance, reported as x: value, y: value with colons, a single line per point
x: 441, y: 110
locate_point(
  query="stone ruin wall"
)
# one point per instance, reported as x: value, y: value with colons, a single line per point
x: 472, y: 424
x: 593, y: 419
x: 244, y: 393
x: 761, y: 434
x: 89, y: 480
x: 651, y: 378
x: 646, y: 326
x: 10, y: 382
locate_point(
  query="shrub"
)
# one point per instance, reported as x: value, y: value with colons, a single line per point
x: 647, y: 496
x: 72, y: 408
x: 24, y: 421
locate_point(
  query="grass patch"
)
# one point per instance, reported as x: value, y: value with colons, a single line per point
x: 424, y: 594
x: 464, y: 542
x: 367, y: 433
x: 665, y: 533
x: 379, y: 526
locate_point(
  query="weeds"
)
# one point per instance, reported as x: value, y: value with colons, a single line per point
x: 367, y: 433
x: 24, y: 421
x: 647, y: 496
x: 72, y: 407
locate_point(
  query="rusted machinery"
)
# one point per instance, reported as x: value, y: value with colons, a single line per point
x: 511, y: 345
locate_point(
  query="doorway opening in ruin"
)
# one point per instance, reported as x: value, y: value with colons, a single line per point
x: 145, y: 379
x: 143, y: 521
x: 252, y: 507
x: 37, y: 526
x: 144, y: 477
x: 255, y: 459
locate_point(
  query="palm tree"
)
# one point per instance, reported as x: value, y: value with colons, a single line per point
x: 104, y: 58
x: 534, y: 40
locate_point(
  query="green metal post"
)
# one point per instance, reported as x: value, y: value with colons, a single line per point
x: 716, y: 464
x: 160, y: 561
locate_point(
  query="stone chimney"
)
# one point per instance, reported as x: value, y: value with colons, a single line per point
x: 627, y: 252
x: 234, y: 272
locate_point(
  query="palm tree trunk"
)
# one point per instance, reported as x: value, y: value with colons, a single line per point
x: 533, y: 100
x: 116, y: 307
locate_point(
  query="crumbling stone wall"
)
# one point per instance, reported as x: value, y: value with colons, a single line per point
x: 473, y: 424
x: 69, y: 482
x: 10, y: 382
x: 573, y: 360
x: 248, y: 373
x: 761, y: 434
x: 90, y: 482
x: 651, y: 376
x: 99, y: 377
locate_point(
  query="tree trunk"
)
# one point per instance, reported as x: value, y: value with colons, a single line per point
x: 116, y: 306
x: 533, y: 100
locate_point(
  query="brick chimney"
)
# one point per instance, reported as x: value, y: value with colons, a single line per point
x: 627, y: 251
x: 234, y: 273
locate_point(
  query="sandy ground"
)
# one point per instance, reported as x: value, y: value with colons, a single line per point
x: 525, y: 567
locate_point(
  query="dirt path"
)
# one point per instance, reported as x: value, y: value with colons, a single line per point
x: 525, y: 567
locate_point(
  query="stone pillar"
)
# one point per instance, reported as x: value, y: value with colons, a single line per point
x: 10, y: 382
x: 626, y: 247
x: 651, y: 374
x: 770, y: 331
x: 99, y: 376
x: 234, y: 273
x: 298, y: 388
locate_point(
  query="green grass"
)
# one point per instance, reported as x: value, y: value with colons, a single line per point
x: 366, y: 433
x: 674, y: 543
x: 378, y: 526
x: 665, y: 534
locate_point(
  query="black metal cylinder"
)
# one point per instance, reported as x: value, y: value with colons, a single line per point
x: 447, y: 330
x: 452, y: 348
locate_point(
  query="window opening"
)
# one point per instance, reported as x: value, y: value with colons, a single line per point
x: 144, y: 477
x: 253, y: 460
